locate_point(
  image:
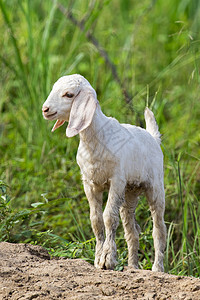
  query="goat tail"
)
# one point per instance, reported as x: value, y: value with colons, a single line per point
x: 151, y: 125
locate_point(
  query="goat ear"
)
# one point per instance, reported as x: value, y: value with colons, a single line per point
x: 82, y: 111
x: 57, y: 124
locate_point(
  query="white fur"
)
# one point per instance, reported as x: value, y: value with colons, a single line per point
x: 125, y: 159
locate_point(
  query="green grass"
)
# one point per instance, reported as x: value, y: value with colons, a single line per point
x: 154, y: 47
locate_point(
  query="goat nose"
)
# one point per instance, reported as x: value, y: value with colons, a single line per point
x: 45, y: 109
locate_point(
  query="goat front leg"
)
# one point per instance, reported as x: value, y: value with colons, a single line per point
x: 111, y: 220
x: 95, y: 198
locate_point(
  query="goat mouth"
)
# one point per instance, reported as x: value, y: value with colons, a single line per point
x: 51, y: 116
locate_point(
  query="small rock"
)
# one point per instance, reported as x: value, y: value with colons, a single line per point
x: 150, y: 295
x: 107, y: 291
x: 196, y: 288
x: 182, y: 296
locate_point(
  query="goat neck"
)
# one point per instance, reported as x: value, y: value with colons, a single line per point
x: 96, y: 130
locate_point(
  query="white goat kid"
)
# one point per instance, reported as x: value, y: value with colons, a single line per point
x: 125, y: 159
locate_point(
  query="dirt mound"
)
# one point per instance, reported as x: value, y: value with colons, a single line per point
x: 27, y: 272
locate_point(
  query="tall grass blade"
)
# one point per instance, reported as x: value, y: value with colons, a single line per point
x: 15, y: 44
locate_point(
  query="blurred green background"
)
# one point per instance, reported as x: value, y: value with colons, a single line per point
x: 147, y: 52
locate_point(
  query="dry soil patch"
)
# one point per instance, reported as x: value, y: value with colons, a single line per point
x: 27, y: 272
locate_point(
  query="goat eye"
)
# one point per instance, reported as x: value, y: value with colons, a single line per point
x: 68, y: 95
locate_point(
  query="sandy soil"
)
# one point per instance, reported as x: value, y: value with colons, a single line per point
x: 27, y: 272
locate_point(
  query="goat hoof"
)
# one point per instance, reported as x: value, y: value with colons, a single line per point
x: 96, y: 262
x: 133, y: 267
x: 107, y: 262
x: 157, y: 268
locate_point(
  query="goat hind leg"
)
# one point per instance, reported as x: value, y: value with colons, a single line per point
x: 157, y: 207
x: 131, y: 228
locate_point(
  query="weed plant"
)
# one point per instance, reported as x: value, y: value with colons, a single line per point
x: 151, y: 49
